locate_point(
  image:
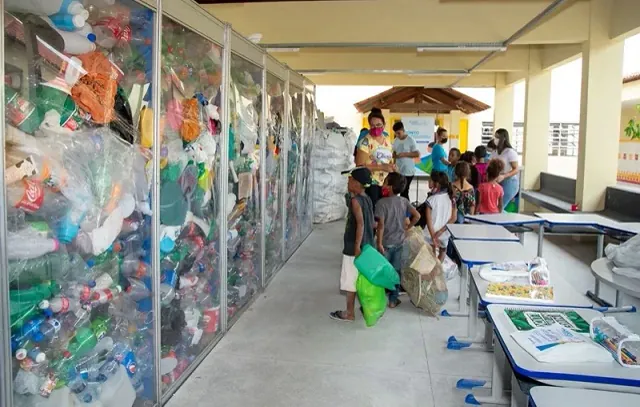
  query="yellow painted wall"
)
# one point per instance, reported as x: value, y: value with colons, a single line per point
x: 464, y: 135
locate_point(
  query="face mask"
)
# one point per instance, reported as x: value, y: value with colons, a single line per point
x: 496, y: 141
x: 376, y: 131
x: 443, y: 140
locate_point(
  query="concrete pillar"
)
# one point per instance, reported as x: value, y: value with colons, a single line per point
x: 454, y: 130
x: 503, y: 105
x: 599, y: 110
x: 535, y: 152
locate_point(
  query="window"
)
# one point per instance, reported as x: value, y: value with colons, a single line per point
x: 563, y: 138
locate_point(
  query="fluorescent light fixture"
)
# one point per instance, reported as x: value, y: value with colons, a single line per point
x: 462, y: 48
x: 277, y: 50
x: 451, y: 73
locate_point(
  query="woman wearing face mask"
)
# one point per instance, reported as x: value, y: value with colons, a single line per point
x: 509, y: 179
x: 375, y: 152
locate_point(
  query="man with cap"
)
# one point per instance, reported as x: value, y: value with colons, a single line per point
x: 358, y: 232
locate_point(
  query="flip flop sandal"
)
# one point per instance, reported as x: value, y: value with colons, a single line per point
x: 394, y: 304
x: 337, y: 315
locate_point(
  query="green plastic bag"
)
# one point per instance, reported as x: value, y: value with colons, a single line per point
x: 372, y: 298
x: 376, y: 268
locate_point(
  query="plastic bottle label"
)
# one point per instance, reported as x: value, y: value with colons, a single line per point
x: 115, y: 26
x: 32, y: 198
x: 19, y: 110
x: 22, y: 169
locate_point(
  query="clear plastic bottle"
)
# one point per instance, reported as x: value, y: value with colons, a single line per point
x: 29, y: 244
x: 137, y: 290
x: 85, y: 392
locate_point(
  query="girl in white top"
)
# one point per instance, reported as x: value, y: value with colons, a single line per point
x: 509, y: 176
x: 440, y: 212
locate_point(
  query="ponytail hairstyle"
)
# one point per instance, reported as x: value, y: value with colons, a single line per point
x: 441, y: 179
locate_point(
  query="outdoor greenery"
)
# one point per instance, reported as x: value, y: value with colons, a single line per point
x: 633, y: 127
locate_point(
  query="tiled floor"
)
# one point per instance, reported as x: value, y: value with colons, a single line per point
x: 285, y: 351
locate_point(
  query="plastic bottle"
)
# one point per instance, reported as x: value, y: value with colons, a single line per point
x: 29, y: 244
x: 69, y: 22
x: 85, y: 392
x: 51, y: 266
x: 105, y: 295
x: 123, y: 353
x: 86, y: 31
x: 34, y: 197
x: 74, y: 43
x: 32, y: 351
x: 137, y: 290
x: 60, y: 304
x: 45, y: 7
x: 168, y: 286
x: 133, y: 267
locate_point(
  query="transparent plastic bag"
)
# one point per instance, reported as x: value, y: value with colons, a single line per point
x: 625, y: 257
x: 450, y: 269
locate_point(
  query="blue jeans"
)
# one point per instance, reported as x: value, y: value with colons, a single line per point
x: 511, y: 187
x: 394, y: 255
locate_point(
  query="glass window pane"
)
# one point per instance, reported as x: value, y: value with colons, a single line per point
x: 244, y: 220
x: 190, y: 211
x: 79, y: 135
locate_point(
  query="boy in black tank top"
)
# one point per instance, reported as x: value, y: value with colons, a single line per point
x: 359, y: 231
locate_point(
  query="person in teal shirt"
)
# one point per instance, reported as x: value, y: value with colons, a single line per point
x: 438, y: 154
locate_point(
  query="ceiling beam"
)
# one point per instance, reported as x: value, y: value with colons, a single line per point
x: 419, y: 107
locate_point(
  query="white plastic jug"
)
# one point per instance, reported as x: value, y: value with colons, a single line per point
x: 45, y: 7
x: 118, y: 390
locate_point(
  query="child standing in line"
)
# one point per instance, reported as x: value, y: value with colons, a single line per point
x: 439, y: 212
x: 463, y: 193
x: 391, y: 213
x: 490, y: 193
x: 480, y: 174
x: 358, y: 233
x: 454, y: 157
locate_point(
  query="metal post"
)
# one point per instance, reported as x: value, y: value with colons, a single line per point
x: 263, y: 171
x: 6, y: 377
x: 155, y: 196
x: 313, y: 138
x: 224, y: 172
x: 285, y: 164
x: 299, y: 195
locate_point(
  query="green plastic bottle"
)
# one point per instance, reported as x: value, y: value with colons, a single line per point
x: 24, y: 302
x: 51, y: 266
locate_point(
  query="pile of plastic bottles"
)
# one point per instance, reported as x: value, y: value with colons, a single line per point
x: 79, y: 138
x: 275, y: 139
x: 244, y: 263
x: 294, y: 172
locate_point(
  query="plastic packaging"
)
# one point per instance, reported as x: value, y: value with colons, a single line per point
x: 372, y: 298
x: 621, y: 342
x: 376, y: 268
x: 625, y: 257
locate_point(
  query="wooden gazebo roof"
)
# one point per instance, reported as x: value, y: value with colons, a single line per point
x: 418, y: 99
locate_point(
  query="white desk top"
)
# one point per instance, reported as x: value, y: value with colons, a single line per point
x: 474, y: 252
x: 589, y: 219
x: 505, y: 219
x: 602, y: 270
x: 546, y: 396
x: 564, y: 294
x: 579, y: 218
x: 598, y: 376
x: 481, y: 232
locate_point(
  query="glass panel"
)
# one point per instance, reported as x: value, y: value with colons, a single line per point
x: 309, y: 127
x: 275, y: 138
x: 294, y: 198
x: 243, y: 203
x: 189, y: 204
x: 79, y: 132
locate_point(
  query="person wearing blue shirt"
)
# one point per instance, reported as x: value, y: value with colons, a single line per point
x: 438, y: 154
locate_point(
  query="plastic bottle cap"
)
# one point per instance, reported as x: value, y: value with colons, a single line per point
x: 92, y: 37
x: 21, y: 354
x: 44, y: 304
x: 75, y: 7
x: 79, y: 20
x: 41, y: 357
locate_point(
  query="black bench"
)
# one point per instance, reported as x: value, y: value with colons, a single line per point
x: 622, y: 204
x: 556, y: 193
